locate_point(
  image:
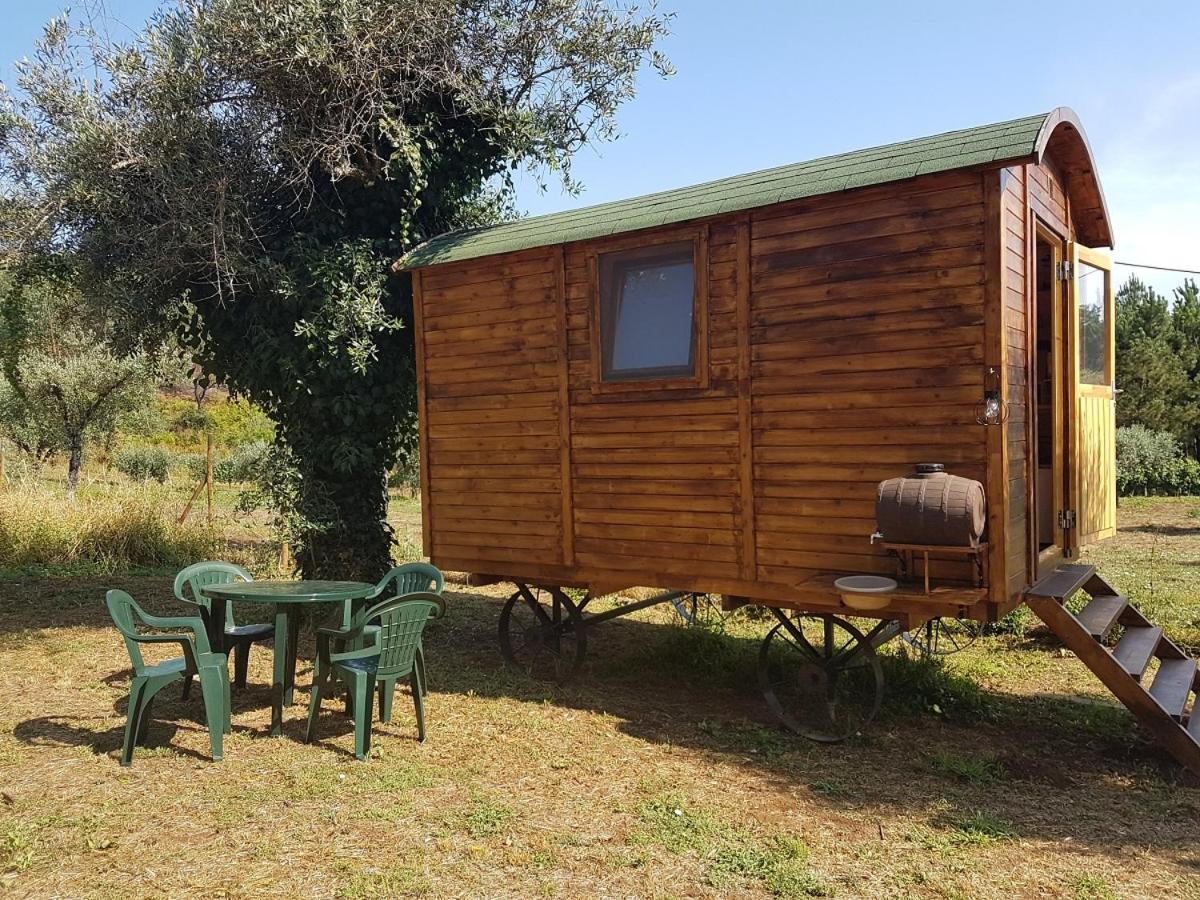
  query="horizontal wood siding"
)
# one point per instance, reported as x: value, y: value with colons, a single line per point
x: 845, y: 343
x: 655, y: 472
x: 1017, y: 329
x: 1048, y: 198
x: 493, y: 436
x: 866, y: 358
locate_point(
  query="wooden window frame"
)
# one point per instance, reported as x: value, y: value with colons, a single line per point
x: 700, y: 376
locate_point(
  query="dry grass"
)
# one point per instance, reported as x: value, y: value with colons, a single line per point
x: 658, y: 774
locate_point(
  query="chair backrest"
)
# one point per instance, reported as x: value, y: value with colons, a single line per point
x: 412, y: 578
x: 401, y: 621
x: 121, y: 607
x: 202, y: 574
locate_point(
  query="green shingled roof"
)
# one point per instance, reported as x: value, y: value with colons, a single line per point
x: 988, y: 144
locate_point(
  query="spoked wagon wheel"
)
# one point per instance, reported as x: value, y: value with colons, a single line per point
x: 941, y: 637
x: 542, y: 634
x: 820, y: 676
x: 693, y: 607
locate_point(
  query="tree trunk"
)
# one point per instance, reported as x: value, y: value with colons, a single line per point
x: 74, y: 462
x: 351, y: 540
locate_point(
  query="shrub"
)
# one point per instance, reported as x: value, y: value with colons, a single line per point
x: 244, y: 464
x: 143, y: 463
x: 1151, y: 462
x: 192, y: 463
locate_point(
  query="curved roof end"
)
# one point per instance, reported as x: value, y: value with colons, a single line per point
x: 1062, y: 139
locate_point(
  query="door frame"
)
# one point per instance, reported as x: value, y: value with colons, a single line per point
x: 1045, y: 561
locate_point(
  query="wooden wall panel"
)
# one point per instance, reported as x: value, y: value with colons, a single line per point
x: 494, y: 437
x: 846, y: 342
x: 1048, y: 198
x: 1017, y: 315
x: 656, y: 476
x: 866, y: 352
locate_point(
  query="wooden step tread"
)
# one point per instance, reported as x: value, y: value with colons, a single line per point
x: 1136, y: 647
x: 1101, y: 613
x: 1063, y: 582
x: 1173, y: 683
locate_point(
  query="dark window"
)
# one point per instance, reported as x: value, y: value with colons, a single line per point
x: 647, y: 307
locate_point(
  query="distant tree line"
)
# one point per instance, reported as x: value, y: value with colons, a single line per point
x: 1158, y: 374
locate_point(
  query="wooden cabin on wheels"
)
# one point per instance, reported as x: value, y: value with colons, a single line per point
x: 703, y: 389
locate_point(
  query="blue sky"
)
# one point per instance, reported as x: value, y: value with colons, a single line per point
x: 767, y: 82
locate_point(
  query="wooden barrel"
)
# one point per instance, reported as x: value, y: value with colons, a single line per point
x: 931, y: 507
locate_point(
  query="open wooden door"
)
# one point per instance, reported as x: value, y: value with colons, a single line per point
x: 1092, y: 436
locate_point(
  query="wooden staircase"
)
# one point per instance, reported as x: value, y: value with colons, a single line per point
x: 1162, y: 708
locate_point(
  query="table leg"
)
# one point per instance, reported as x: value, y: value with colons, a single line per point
x: 289, y: 685
x: 279, y: 675
x: 216, y: 624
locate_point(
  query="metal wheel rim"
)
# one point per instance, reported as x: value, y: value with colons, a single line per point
x: 527, y: 637
x: 843, y: 716
x: 942, y: 637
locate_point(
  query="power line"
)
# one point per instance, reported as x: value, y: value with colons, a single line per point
x: 1119, y: 262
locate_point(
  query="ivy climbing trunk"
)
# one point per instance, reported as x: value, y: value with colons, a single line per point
x: 351, y: 539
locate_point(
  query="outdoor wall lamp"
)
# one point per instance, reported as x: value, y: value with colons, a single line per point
x: 993, y: 410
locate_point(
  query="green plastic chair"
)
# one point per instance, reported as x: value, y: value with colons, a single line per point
x: 401, y: 581
x: 237, y: 638
x: 393, y: 656
x: 148, y: 680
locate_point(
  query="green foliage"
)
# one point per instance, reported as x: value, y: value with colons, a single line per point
x: 982, y: 828
x: 779, y: 863
x: 227, y: 178
x: 1151, y: 462
x: 244, y: 464
x: 143, y: 463
x: 233, y: 422
x: 927, y: 685
x: 406, y: 473
x: 277, y: 488
x: 977, y: 769
x: 1158, y: 361
x: 62, y: 384
x: 485, y: 818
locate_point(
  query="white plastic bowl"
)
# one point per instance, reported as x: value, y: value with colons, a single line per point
x: 865, y: 591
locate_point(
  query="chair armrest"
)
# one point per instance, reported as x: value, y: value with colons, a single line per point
x: 189, y: 649
x: 194, y: 624
x: 361, y: 653
x: 338, y: 632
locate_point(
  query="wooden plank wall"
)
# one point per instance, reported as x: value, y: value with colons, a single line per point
x: 867, y: 314
x: 1048, y: 198
x: 1017, y: 316
x: 846, y: 343
x: 490, y: 381
x: 656, y: 476
x: 1028, y: 191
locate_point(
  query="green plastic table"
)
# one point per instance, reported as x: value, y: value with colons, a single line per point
x: 288, y: 597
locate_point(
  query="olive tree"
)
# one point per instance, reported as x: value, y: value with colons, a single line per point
x: 62, y: 385
x: 242, y: 175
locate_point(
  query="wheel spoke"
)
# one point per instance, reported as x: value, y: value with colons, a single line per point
x: 826, y: 692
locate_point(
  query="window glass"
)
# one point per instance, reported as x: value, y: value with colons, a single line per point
x: 1093, y: 325
x: 647, y: 304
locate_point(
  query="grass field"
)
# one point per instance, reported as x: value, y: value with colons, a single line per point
x: 657, y: 774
